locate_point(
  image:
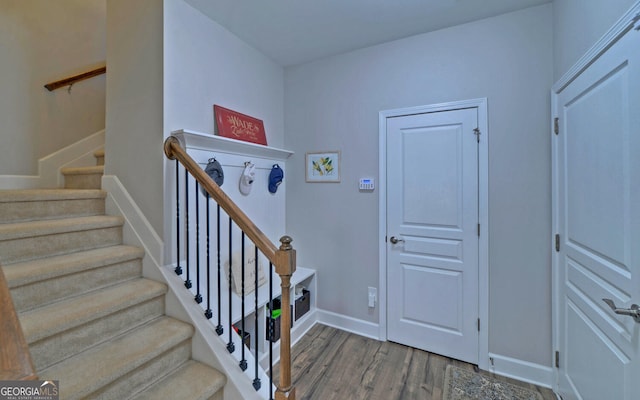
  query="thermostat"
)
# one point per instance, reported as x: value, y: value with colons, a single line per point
x: 367, y: 184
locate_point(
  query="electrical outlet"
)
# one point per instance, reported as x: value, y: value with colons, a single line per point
x: 373, y: 295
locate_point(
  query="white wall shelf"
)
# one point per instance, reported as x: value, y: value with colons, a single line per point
x: 205, y: 141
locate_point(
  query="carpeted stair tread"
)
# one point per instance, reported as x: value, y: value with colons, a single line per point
x: 32, y: 195
x: 41, y: 239
x: 50, y: 227
x: 95, y: 169
x: 37, y: 204
x: 99, y: 367
x: 47, y: 280
x: 193, y: 381
x: 91, y: 320
x: 83, y: 177
x: 28, y: 272
x: 67, y: 314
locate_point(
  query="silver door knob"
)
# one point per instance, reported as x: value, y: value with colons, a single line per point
x: 395, y: 240
x: 633, y: 312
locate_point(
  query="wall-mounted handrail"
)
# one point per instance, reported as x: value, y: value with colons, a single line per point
x: 76, y: 78
x: 15, y: 358
x: 282, y: 258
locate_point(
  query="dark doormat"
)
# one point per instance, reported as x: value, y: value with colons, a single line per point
x: 460, y: 384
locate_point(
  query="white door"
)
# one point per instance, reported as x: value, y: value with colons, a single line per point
x: 432, y: 216
x: 597, y: 217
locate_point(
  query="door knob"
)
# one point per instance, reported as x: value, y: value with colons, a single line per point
x: 633, y: 312
x: 395, y: 240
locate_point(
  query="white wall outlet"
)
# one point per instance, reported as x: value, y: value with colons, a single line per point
x: 373, y: 294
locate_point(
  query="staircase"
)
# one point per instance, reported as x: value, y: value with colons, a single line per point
x: 91, y: 320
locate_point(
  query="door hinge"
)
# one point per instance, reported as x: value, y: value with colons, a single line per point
x: 476, y: 131
x: 556, y: 125
x: 557, y: 359
x: 478, y: 229
x: 557, y: 242
x: 478, y: 324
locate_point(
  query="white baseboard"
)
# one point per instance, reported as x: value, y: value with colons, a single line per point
x: 521, y: 370
x: 349, y: 324
x: 49, y: 176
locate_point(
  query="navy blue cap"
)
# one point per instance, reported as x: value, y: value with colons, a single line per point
x: 275, y: 178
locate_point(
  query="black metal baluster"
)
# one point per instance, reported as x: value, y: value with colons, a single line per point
x: 230, y: 346
x: 256, y: 380
x: 208, y: 312
x: 243, y: 361
x: 270, y: 331
x: 219, y: 328
x: 178, y: 269
x: 187, y: 282
x: 198, y: 297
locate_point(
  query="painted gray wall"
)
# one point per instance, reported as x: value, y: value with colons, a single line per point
x: 40, y: 42
x: 578, y: 24
x: 333, y: 104
x: 168, y: 65
x: 134, y: 130
x: 205, y: 65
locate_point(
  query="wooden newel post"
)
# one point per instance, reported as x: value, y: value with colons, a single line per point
x: 285, y: 267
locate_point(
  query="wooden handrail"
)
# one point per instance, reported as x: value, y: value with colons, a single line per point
x: 15, y: 358
x: 283, y: 258
x: 174, y: 150
x: 76, y: 78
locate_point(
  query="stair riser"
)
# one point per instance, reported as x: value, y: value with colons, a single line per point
x: 130, y: 383
x: 83, y: 181
x: 35, y: 210
x: 48, y: 291
x: 53, y: 349
x: 30, y: 248
x: 99, y: 160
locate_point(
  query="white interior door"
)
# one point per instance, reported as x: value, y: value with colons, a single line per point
x: 432, y: 216
x: 597, y: 217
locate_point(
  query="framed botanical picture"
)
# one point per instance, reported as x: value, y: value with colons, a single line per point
x: 323, y: 166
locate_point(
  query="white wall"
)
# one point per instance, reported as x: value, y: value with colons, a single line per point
x: 578, y: 24
x: 334, y: 103
x: 40, y: 42
x: 134, y: 130
x: 168, y: 64
x: 204, y: 64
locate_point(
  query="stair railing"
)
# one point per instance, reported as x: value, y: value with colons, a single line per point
x: 51, y: 86
x: 282, y: 259
x: 15, y: 358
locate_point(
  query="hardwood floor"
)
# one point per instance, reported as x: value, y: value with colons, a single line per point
x: 332, y: 364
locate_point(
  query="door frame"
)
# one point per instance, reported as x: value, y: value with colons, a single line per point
x: 627, y: 22
x: 483, y: 215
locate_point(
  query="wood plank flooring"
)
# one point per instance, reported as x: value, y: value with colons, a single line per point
x: 332, y: 364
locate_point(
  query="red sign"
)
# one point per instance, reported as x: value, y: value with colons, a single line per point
x: 234, y: 125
